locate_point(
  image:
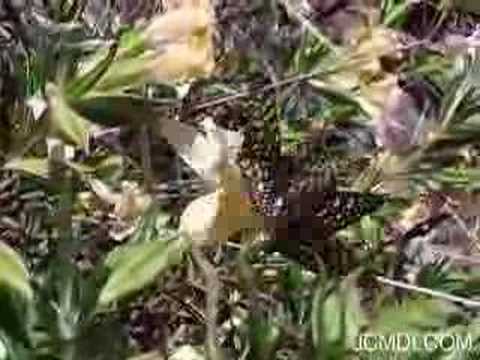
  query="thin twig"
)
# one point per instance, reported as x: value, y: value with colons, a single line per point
x: 192, y: 309
x: 146, y: 159
x: 241, y: 94
x: 294, y: 79
x: 213, y: 286
x: 145, y: 148
x: 434, y: 293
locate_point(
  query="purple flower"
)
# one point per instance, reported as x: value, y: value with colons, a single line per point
x: 399, y: 126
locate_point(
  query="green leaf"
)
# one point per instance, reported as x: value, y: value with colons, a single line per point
x: 310, y: 53
x: 135, y: 266
x: 80, y: 168
x: 108, y: 168
x: 337, y: 319
x: 371, y: 230
x: 101, y: 167
x: 13, y: 348
x: 13, y: 272
x: 396, y: 14
x: 265, y: 338
x: 80, y: 86
x: 3, y: 350
x: 123, y: 65
x: 115, y: 110
x: 132, y: 44
x: 65, y: 304
x: 354, y: 316
x: 65, y: 122
x: 153, y: 226
x: 35, y: 166
x: 472, y: 6
x: 125, y: 73
x: 414, y: 315
x: 459, y: 178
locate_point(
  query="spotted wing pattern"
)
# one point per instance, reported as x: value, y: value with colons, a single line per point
x: 256, y: 116
x: 302, y: 207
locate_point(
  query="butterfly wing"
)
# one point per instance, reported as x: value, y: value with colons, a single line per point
x: 260, y: 153
x: 339, y: 209
x: 301, y: 205
x: 310, y: 219
x: 256, y: 116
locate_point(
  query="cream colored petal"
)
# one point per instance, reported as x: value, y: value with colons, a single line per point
x: 202, y: 153
x: 175, y: 4
x: 206, y: 155
x: 184, y: 37
x: 128, y: 204
x: 182, y: 61
x: 131, y: 205
x: 177, y: 24
x: 199, y: 219
x: 215, y: 217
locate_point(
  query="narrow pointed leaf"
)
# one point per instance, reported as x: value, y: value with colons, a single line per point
x: 65, y: 122
x: 13, y: 272
x: 84, y: 83
x: 125, y: 73
x: 112, y: 110
x: 33, y: 166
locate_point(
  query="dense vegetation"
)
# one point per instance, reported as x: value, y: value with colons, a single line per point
x: 239, y: 179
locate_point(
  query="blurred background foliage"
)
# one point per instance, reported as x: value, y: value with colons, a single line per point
x: 93, y: 185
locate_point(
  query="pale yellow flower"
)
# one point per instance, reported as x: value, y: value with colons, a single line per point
x: 128, y: 204
x: 361, y: 69
x: 184, y: 37
x: 226, y: 209
x: 215, y: 217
